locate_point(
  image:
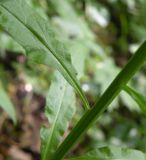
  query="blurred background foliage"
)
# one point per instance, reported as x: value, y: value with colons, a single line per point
x: 101, y: 36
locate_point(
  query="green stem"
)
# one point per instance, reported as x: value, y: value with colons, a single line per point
x: 112, y: 91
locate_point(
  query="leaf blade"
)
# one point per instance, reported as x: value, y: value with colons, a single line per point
x: 139, y: 99
x: 38, y: 39
x: 60, y: 108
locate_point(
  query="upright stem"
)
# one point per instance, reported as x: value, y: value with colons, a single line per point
x: 112, y: 91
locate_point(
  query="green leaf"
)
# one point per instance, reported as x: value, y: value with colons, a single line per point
x: 38, y: 39
x: 7, y: 105
x: 113, y: 153
x: 90, y: 116
x: 60, y: 108
x: 139, y: 99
